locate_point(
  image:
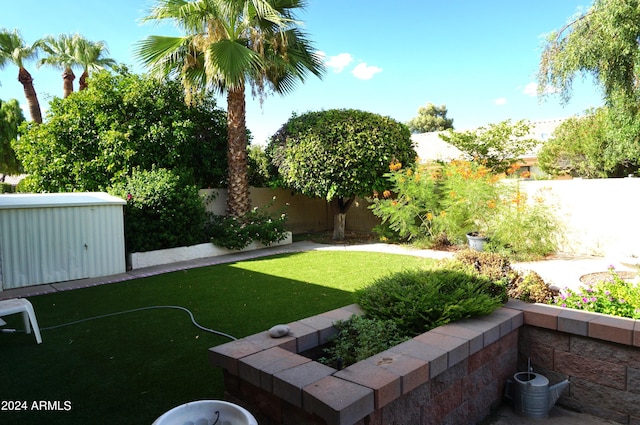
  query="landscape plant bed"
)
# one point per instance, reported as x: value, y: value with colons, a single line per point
x: 263, y: 368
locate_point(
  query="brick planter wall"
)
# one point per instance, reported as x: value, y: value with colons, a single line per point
x: 599, y: 354
x: 453, y: 374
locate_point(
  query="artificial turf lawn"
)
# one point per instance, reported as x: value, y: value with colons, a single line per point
x: 129, y: 369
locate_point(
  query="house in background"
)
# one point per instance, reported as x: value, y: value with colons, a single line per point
x: 430, y: 147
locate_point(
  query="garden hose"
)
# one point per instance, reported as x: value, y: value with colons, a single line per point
x: 175, y: 307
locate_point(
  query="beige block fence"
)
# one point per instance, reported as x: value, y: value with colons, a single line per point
x: 598, y: 216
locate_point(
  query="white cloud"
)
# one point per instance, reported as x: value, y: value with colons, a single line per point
x: 339, y: 62
x: 365, y: 72
x: 531, y: 89
x: 500, y: 101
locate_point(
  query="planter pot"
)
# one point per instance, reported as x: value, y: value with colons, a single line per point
x: 476, y: 242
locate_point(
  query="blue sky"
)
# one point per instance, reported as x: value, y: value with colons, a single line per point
x: 479, y: 58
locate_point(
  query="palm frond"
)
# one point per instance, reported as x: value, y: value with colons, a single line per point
x: 191, y: 16
x: 230, y: 62
x: 162, y: 54
x: 14, y: 49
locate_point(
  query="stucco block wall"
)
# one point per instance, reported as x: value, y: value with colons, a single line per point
x: 304, y: 214
x: 599, y: 216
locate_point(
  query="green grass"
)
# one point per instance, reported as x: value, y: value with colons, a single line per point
x: 129, y: 369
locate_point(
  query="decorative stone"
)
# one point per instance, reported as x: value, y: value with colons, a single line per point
x: 278, y: 331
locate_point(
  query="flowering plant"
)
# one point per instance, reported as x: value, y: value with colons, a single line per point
x: 616, y: 297
x: 442, y: 203
x: 257, y: 225
x: 471, y: 196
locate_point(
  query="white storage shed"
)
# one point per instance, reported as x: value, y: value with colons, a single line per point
x: 56, y: 237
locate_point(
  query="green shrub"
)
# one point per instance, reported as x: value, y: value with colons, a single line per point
x: 492, y: 265
x: 361, y: 337
x: 531, y: 288
x: 443, y: 202
x: 524, y: 228
x: 257, y: 225
x: 616, y: 297
x: 420, y: 300
x: 162, y: 211
x: 6, y: 188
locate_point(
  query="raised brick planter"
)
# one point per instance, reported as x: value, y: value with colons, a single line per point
x: 599, y: 354
x: 451, y: 375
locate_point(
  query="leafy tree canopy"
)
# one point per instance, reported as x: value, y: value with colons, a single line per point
x: 601, y: 42
x: 10, y: 119
x: 588, y: 146
x: 497, y: 146
x: 339, y: 154
x: 94, y: 138
x: 430, y: 118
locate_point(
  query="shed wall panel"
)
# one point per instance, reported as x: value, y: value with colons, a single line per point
x: 46, y: 245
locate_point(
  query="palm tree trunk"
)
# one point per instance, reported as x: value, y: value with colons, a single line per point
x: 83, y: 80
x: 68, y: 76
x: 238, y: 202
x: 30, y: 94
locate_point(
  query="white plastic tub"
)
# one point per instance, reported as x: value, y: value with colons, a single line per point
x: 207, y: 412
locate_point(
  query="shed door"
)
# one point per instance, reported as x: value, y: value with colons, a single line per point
x: 44, y: 245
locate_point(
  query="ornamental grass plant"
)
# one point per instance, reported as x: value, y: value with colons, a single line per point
x: 441, y: 203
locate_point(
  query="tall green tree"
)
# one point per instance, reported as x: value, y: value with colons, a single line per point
x: 339, y: 154
x: 123, y: 121
x: 62, y: 53
x: 10, y: 119
x: 227, y: 45
x: 588, y: 146
x: 601, y: 42
x: 91, y: 56
x: 13, y: 49
x: 430, y: 118
x: 497, y: 146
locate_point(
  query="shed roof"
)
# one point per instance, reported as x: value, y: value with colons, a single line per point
x: 53, y: 200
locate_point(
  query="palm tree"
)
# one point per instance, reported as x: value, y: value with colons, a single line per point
x: 227, y: 44
x: 61, y: 54
x: 90, y: 56
x: 13, y: 49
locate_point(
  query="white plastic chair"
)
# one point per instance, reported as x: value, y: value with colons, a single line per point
x: 21, y: 305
